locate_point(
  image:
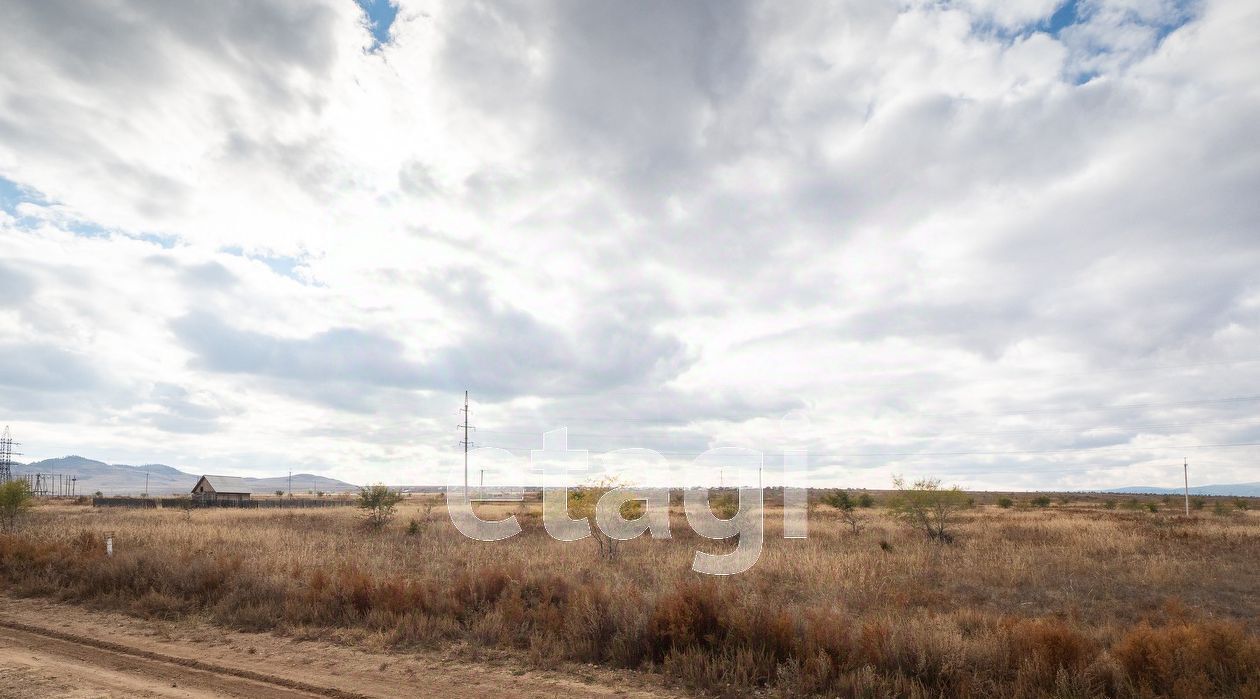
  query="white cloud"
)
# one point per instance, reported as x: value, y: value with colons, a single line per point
x: 258, y: 243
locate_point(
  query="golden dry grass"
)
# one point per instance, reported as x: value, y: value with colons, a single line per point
x: 1066, y: 601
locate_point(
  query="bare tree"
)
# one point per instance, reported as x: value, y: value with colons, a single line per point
x: 928, y: 507
x: 582, y: 503
x: 840, y: 500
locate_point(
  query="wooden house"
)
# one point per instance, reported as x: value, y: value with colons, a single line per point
x: 221, y: 489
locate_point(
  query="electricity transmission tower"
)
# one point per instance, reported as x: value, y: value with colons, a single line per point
x: 6, y: 455
x: 465, y: 443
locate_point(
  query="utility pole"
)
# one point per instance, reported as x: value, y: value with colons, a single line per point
x: 483, y: 479
x: 7, y: 454
x: 1185, y: 472
x: 146, y: 480
x: 290, y: 484
x: 466, y: 444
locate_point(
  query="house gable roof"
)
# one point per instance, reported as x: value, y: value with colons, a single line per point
x: 223, y: 484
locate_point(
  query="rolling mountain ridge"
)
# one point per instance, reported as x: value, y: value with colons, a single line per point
x: 1251, y: 490
x: 122, y: 479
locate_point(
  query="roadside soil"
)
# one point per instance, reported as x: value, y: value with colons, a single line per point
x: 58, y: 650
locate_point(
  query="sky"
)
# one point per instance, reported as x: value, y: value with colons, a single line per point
x: 1007, y: 244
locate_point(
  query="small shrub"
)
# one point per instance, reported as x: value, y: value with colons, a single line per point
x: 1109, y: 504
x: 1198, y: 503
x: 1241, y: 504
x: 1053, y: 644
x: 379, y: 504
x: 686, y: 618
x: 15, y: 500
x: 865, y: 500
x: 847, y: 506
x: 413, y: 528
x: 1041, y: 501
x: 885, y: 546
x: 725, y: 506
x: 838, y: 499
x: 1193, y: 659
x: 1152, y: 507
x: 1005, y: 503
x: 584, y: 501
x: 928, y: 507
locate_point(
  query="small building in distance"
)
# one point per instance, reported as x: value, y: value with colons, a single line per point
x: 221, y: 489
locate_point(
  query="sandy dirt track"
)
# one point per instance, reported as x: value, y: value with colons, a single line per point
x: 55, y: 650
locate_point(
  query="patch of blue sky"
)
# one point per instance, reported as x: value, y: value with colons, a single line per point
x: 1073, y: 12
x: 1065, y: 16
x: 87, y: 229
x: 381, y: 15
x: 166, y: 242
x: 12, y: 194
x: 284, y: 265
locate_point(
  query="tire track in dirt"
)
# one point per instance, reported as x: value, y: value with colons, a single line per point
x: 104, y: 653
x: 57, y: 649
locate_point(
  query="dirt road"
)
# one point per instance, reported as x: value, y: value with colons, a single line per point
x: 53, y: 650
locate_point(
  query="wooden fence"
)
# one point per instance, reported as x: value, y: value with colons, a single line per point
x: 188, y: 503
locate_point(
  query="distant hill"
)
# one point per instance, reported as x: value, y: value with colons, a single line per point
x: 121, y: 479
x: 1251, y: 490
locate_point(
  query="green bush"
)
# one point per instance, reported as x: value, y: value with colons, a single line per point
x: 378, y: 503
x: 1109, y: 504
x: 838, y: 499
x: 1041, y: 501
x: 15, y: 499
x: 1005, y: 503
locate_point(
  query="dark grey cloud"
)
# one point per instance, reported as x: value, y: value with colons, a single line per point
x: 626, y: 92
x: 16, y: 286
x: 210, y: 275
x: 88, y: 63
x: 44, y: 367
x: 340, y: 354
x: 182, y: 412
x: 502, y: 351
x: 115, y: 45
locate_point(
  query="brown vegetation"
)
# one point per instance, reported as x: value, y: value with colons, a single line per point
x: 1066, y: 601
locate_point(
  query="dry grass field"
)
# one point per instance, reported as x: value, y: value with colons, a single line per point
x: 1076, y: 599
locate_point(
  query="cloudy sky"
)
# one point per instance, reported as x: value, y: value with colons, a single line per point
x: 1013, y: 244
